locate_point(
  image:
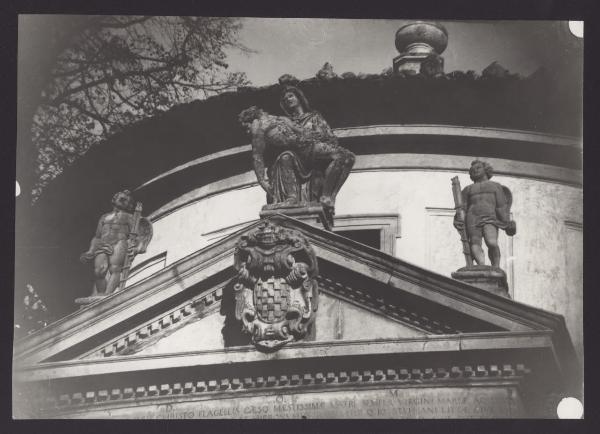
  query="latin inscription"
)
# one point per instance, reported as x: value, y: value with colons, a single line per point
x: 412, y: 403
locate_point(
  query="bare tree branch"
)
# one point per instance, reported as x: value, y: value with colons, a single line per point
x: 123, y: 24
x: 121, y: 69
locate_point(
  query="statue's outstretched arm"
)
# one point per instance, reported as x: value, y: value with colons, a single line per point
x: 258, y: 159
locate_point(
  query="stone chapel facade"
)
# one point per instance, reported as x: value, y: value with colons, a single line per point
x: 393, y: 335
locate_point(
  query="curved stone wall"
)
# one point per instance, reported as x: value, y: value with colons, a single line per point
x: 198, y: 152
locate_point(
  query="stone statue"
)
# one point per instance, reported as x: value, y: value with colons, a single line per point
x: 295, y: 105
x: 481, y: 209
x: 276, y: 291
x: 487, y: 208
x: 120, y: 236
x: 290, y: 151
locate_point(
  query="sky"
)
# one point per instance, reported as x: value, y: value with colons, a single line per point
x: 301, y: 46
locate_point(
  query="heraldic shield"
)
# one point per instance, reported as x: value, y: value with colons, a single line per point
x: 276, y: 291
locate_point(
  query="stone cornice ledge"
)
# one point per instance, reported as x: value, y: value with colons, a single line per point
x: 402, y: 130
x: 396, y: 272
x: 146, y: 293
x: 458, y: 295
x: 305, y: 350
x: 459, y: 130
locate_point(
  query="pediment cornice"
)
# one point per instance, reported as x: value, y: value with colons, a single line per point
x: 399, y: 283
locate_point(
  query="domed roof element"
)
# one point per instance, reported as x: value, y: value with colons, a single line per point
x: 422, y: 37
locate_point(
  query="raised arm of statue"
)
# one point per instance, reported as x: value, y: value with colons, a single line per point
x: 258, y: 159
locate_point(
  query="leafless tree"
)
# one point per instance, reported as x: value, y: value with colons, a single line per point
x: 116, y: 70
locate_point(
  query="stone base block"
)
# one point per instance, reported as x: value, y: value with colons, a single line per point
x: 492, y: 279
x: 84, y: 301
x: 409, y: 62
x: 312, y: 213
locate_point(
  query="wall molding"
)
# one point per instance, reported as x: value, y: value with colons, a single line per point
x: 146, y: 264
x: 403, y: 130
x: 292, y: 382
x: 383, y: 163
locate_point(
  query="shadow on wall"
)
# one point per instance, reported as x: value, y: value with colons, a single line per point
x: 232, y: 335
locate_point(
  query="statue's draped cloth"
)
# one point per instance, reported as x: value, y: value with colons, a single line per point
x: 490, y: 204
x: 296, y: 173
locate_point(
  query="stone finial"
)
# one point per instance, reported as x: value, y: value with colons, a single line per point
x: 495, y: 70
x: 422, y: 37
x: 326, y: 72
x: 289, y: 80
x: 418, y: 41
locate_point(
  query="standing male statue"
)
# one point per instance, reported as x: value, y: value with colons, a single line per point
x: 487, y: 207
x: 289, y: 152
x: 120, y: 236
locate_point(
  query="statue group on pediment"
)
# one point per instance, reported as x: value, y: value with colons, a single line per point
x: 299, y: 163
x: 297, y: 158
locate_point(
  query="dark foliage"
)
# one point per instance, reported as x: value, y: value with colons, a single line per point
x: 117, y: 70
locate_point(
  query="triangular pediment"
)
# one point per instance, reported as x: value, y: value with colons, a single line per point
x: 205, y: 329
x: 366, y: 295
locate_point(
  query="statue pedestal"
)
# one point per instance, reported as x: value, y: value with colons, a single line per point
x: 492, y: 279
x: 312, y: 213
x: 409, y: 62
x: 84, y: 301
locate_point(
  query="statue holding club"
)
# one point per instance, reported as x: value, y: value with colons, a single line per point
x: 121, y: 235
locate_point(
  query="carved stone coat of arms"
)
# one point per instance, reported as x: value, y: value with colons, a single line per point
x: 276, y: 291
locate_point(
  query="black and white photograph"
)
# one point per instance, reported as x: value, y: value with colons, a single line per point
x: 298, y: 218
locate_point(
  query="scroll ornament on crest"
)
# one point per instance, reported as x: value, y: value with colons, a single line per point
x: 276, y: 291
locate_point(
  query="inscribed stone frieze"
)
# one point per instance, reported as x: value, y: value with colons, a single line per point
x: 411, y: 403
